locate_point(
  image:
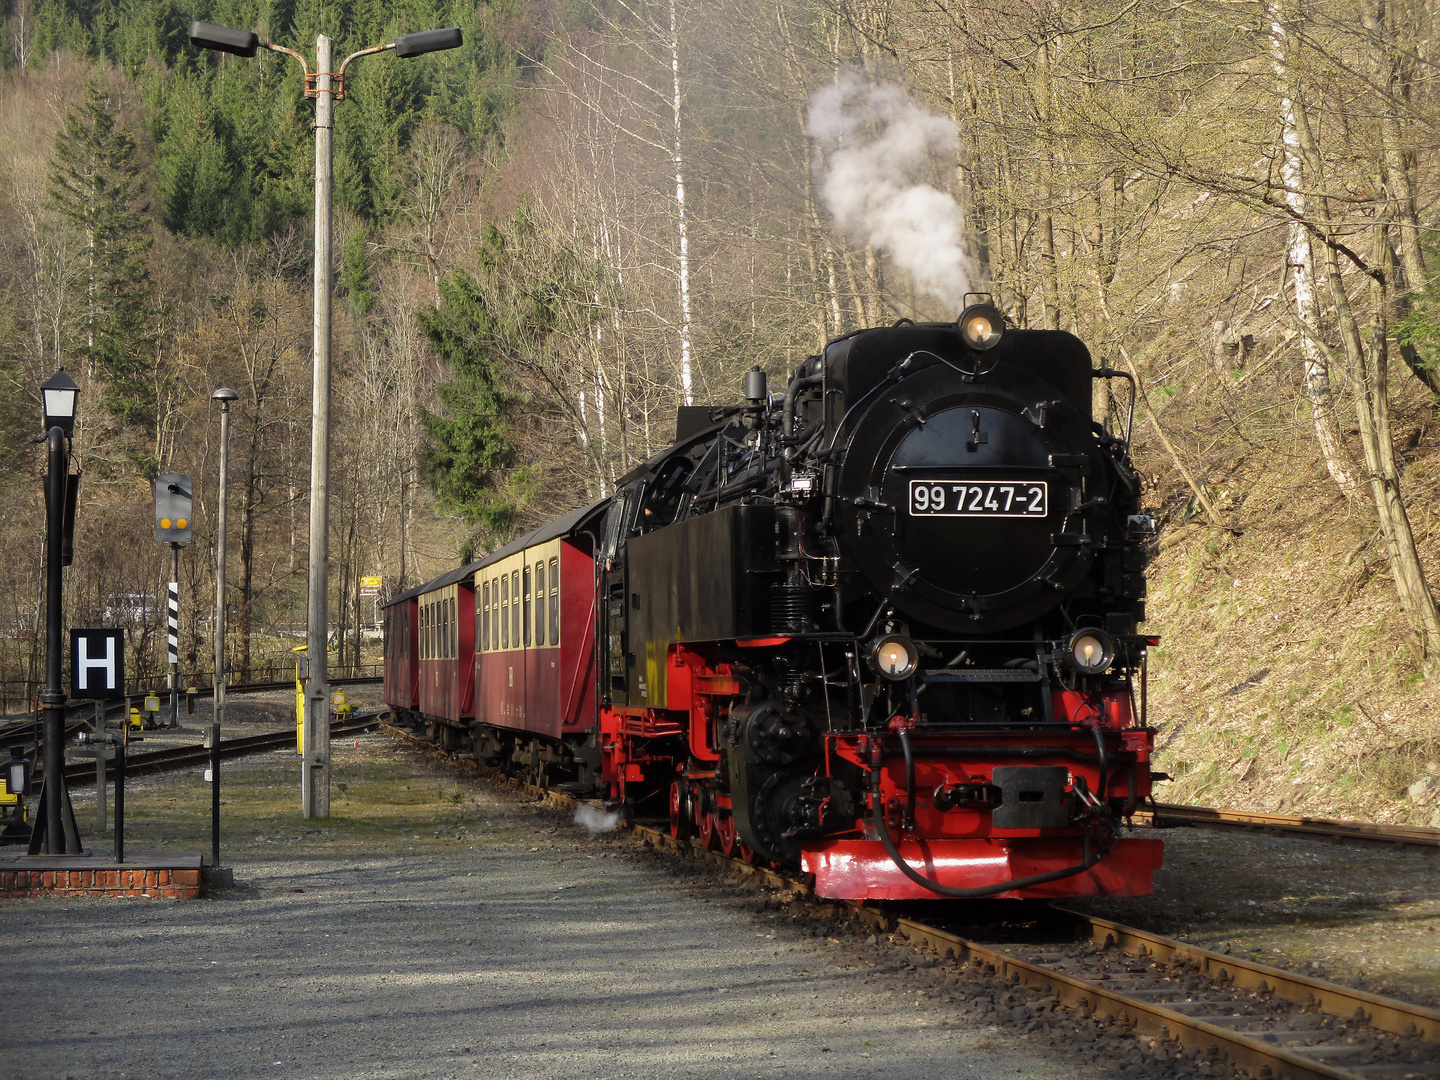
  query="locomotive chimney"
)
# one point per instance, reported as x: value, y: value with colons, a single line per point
x: 755, y: 386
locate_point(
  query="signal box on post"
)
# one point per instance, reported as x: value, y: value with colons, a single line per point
x: 172, y: 508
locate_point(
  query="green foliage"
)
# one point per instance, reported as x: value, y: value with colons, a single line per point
x: 355, y: 278
x: 95, y: 185
x: 1420, y: 326
x: 468, y: 450
x: 499, y: 330
x: 233, y: 135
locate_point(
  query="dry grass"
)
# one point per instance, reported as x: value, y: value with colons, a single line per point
x: 1286, y: 679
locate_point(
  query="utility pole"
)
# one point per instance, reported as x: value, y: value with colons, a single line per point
x: 326, y: 85
x: 315, y: 774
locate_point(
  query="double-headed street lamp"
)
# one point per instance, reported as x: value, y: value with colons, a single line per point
x: 55, y: 832
x: 326, y: 87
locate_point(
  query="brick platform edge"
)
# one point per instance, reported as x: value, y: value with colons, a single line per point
x: 156, y: 884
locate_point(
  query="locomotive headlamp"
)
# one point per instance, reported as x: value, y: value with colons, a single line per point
x: 1090, y: 651
x: 894, y: 657
x: 981, y: 326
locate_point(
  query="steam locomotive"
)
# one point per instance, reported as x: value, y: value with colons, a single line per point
x: 882, y: 626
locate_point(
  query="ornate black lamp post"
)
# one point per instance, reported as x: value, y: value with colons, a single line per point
x: 55, y: 832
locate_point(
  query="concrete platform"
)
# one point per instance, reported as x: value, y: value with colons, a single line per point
x: 153, y: 874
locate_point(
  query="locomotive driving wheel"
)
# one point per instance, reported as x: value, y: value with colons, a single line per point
x: 727, y: 834
x: 747, y: 854
x: 706, y: 832
x: 681, y: 816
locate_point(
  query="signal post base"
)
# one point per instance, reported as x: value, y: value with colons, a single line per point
x: 152, y: 875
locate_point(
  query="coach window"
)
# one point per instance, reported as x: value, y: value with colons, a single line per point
x: 527, y: 607
x: 539, y: 603
x: 484, y: 616
x: 554, y: 601
x: 495, y: 613
x: 505, y: 612
x: 515, y: 607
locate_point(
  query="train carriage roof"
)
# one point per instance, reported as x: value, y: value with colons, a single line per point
x: 561, y: 526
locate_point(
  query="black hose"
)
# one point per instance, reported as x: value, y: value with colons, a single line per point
x: 905, y: 868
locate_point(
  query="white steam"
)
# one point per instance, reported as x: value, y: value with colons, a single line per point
x: 594, y: 820
x: 876, y: 143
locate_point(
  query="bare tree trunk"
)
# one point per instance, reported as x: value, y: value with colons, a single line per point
x: 1301, y: 266
x: 681, y: 222
x: 1369, y: 386
x: 1389, y: 79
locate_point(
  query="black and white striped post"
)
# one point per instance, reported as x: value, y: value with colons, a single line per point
x: 174, y: 643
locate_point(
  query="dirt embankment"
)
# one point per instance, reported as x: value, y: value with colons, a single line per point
x: 1286, y: 679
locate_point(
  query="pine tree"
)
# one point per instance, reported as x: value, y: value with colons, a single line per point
x: 468, y: 454
x: 95, y: 185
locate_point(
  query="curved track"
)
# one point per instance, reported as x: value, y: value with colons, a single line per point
x: 1358, y: 833
x: 1264, y: 1021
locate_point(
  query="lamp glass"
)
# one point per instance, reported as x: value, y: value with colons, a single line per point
x: 60, y: 404
x: 15, y: 770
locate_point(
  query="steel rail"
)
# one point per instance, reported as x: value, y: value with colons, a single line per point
x: 1252, y: 1055
x: 183, y: 757
x: 1353, y: 832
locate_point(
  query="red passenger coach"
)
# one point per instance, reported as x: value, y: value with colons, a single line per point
x: 447, y: 640
x: 506, y: 654
x: 401, y: 621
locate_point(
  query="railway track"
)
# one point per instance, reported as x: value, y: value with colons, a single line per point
x: 82, y: 773
x: 1358, y: 833
x: 1265, y: 1022
x: 84, y: 710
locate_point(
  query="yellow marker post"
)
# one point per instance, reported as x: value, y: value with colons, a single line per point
x: 302, y: 672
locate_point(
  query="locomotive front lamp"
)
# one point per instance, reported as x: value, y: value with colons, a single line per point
x: 59, y: 393
x: 894, y: 657
x: 981, y: 326
x: 1090, y: 652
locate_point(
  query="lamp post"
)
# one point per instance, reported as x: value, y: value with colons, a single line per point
x: 224, y: 396
x: 326, y: 87
x: 55, y: 832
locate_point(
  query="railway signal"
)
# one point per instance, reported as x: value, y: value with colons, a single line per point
x: 174, y: 520
x: 173, y: 502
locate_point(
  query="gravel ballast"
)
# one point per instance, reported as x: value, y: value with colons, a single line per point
x: 471, y: 934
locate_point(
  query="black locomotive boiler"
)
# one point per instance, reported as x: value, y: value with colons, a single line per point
x: 883, y: 626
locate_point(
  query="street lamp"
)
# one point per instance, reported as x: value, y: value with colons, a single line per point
x: 59, y: 393
x: 54, y: 832
x: 224, y: 396
x: 326, y: 86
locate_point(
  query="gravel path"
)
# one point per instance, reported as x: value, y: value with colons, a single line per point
x: 502, y: 942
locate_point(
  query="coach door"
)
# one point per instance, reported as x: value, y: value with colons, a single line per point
x: 616, y: 659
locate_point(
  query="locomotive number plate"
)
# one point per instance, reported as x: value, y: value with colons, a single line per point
x: 994, y: 498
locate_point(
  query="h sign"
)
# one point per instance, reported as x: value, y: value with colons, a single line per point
x: 97, y: 664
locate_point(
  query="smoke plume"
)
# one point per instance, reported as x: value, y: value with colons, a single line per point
x: 594, y: 820
x: 877, y: 143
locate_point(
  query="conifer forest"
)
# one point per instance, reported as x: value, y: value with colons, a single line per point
x: 596, y: 211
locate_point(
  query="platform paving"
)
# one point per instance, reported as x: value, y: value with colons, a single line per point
x: 509, y: 944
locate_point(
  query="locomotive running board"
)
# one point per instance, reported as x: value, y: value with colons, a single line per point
x: 861, y: 869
